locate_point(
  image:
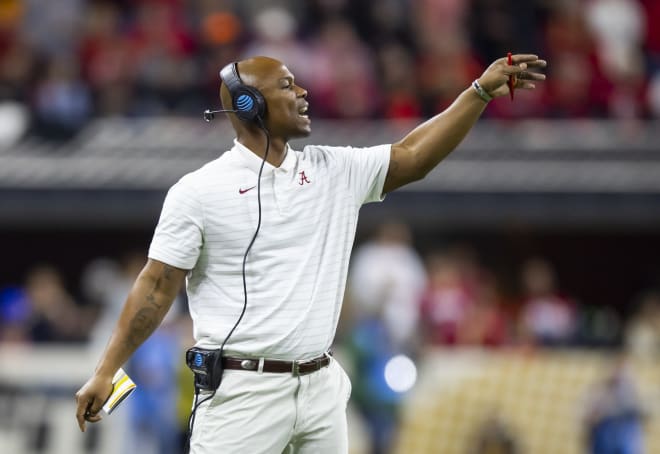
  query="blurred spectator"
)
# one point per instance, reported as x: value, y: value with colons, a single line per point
x: 446, y: 64
x: 370, y: 347
x: 219, y: 25
x: 387, y: 279
x: 62, y: 101
x: 387, y: 20
x: 486, y: 322
x: 105, y: 58
x: 52, y: 27
x: 576, y: 86
x: 618, y: 29
x: 447, y: 301
x: 598, y: 326
x: 154, y: 425
x: 11, y: 15
x: 349, y: 89
x: 547, y: 318
x: 445, y: 69
x: 652, y: 39
x: 54, y: 316
x: 642, y: 335
x: 275, y: 31
x: 399, y: 88
x: 221, y: 34
x: 462, y: 304
x: 14, y: 315
x: 321, y: 11
x: 615, y: 414
x: 496, y: 27
x: 105, y: 289
x: 162, y: 50
x: 18, y: 65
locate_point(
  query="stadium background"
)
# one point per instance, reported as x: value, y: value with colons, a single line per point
x: 518, y: 276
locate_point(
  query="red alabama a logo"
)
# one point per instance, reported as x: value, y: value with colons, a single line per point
x: 303, y: 178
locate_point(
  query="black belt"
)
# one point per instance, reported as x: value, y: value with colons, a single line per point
x: 274, y: 365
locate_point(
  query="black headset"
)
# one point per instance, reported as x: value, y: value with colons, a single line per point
x: 247, y: 102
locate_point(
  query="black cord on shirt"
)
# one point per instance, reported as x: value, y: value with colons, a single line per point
x: 254, y: 237
x: 191, y: 419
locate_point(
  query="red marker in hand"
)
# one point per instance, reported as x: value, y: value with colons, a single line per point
x: 511, y: 81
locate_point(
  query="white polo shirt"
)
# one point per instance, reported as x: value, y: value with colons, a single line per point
x: 296, y: 271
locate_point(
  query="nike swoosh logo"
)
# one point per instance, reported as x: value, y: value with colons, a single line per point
x: 243, y: 191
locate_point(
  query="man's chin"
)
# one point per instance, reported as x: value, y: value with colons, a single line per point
x: 304, y: 132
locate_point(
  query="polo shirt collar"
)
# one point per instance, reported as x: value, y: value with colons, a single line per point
x: 253, y: 162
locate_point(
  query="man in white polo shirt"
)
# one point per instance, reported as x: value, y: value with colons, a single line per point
x: 269, y: 302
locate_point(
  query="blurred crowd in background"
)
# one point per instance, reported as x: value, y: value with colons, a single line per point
x: 444, y: 297
x: 399, y: 301
x: 68, y: 61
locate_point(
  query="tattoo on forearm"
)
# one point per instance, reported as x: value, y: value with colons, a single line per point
x: 166, y: 274
x: 146, y: 319
x: 142, y: 324
x: 151, y: 299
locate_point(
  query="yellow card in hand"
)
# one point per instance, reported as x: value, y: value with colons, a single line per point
x: 122, y: 387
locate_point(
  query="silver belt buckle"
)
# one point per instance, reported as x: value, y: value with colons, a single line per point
x: 248, y: 364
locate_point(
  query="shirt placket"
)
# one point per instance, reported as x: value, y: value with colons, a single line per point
x: 280, y: 193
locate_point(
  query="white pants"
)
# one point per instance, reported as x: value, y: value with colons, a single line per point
x: 274, y: 413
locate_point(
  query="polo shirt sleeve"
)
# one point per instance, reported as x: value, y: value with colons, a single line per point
x: 178, y: 238
x: 366, y: 169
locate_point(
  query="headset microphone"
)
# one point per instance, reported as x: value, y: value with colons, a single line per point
x: 210, y: 114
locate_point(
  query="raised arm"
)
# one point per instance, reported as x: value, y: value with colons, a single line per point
x: 414, y: 156
x: 147, y: 303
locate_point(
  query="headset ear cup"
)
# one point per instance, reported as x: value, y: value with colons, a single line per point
x: 249, y: 103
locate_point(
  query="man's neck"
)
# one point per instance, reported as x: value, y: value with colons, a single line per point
x: 257, y: 144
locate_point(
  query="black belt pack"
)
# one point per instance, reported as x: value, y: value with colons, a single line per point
x: 207, y: 367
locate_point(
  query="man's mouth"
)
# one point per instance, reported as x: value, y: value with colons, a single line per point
x: 303, y: 112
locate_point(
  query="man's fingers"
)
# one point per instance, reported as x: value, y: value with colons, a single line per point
x: 523, y: 58
x: 522, y: 73
x: 523, y: 65
x: 88, y: 410
x: 95, y: 418
x: 525, y: 85
x: 90, y: 399
x: 537, y: 64
x: 527, y: 75
x: 513, y: 70
x: 530, y: 60
x: 81, y: 410
x: 96, y: 406
x: 535, y: 76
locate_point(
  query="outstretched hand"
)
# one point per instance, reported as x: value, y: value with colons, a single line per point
x: 494, y: 79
